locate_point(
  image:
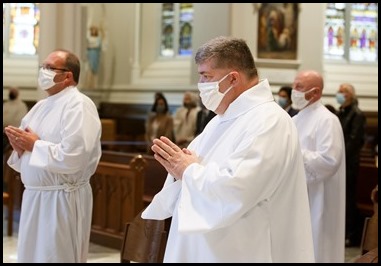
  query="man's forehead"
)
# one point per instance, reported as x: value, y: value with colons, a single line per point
x: 56, y: 56
x: 207, y: 66
x: 204, y: 68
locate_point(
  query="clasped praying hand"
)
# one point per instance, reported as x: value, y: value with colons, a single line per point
x: 174, y: 159
x: 21, y: 140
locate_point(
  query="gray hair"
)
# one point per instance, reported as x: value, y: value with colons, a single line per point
x: 228, y: 52
x: 350, y: 88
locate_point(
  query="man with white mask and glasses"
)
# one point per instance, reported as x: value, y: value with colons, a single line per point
x: 237, y: 193
x: 56, y: 149
x: 322, y: 143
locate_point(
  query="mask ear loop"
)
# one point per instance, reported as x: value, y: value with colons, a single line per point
x: 224, y: 93
x: 230, y: 73
x: 223, y: 78
x: 309, y: 91
x: 231, y: 87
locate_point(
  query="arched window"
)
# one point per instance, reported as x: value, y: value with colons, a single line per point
x: 351, y: 32
x: 176, y: 29
x: 20, y: 28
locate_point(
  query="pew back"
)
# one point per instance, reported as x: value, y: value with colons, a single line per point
x: 154, y: 176
x: 367, y: 179
x: 117, y: 196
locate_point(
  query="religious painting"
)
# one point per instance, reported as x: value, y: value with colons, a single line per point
x: 277, y: 30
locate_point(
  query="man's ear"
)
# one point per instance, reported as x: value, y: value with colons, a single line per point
x: 234, y: 77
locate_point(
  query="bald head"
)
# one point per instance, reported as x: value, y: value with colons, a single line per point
x: 310, y: 79
x: 310, y: 82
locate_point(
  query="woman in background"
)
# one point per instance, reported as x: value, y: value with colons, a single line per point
x: 159, y: 122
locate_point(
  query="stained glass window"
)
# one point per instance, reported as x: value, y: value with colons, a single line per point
x: 167, y: 32
x: 351, y: 32
x: 176, y: 29
x: 363, y: 32
x: 20, y: 28
x: 186, y: 19
x: 334, y: 30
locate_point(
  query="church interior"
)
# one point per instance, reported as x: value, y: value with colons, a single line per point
x: 131, y: 51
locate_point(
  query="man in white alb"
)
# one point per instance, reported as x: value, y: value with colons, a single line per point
x: 237, y: 193
x: 56, y: 150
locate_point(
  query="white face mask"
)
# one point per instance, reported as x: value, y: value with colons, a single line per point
x: 298, y: 98
x: 210, y: 95
x: 46, y: 79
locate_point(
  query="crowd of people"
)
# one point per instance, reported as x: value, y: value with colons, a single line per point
x: 250, y: 179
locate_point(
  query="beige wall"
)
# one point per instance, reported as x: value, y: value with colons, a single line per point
x: 131, y: 71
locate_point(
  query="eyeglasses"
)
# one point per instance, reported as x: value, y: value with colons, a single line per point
x: 53, y: 68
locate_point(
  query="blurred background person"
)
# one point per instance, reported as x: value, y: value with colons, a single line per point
x: 159, y: 122
x: 331, y: 108
x: 203, y: 118
x: 284, y: 100
x: 156, y: 96
x: 13, y: 111
x: 353, y: 123
x: 185, y: 119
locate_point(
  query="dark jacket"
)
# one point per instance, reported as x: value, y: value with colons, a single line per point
x: 292, y: 112
x: 202, y: 120
x: 353, y: 122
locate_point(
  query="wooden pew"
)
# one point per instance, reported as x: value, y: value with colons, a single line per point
x: 369, y: 239
x: 108, y: 132
x: 369, y: 257
x: 117, y: 196
x: 12, y: 194
x: 154, y: 176
x: 9, y: 175
x: 144, y: 241
x: 130, y: 122
x: 367, y: 179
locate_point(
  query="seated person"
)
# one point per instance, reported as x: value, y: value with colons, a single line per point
x: 284, y: 100
x: 13, y: 111
x: 159, y: 122
x: 185, y: 119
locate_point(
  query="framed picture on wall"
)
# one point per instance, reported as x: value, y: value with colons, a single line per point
x: 277, y: 30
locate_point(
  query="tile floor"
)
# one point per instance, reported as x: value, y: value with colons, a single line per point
x: 97, y: 253
x: 100, y: 254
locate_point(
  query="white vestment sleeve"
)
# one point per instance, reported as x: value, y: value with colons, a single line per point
x: 164, y: 202
x: 14, y: 161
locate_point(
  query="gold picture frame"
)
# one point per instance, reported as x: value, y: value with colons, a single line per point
x: 277, y: 30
